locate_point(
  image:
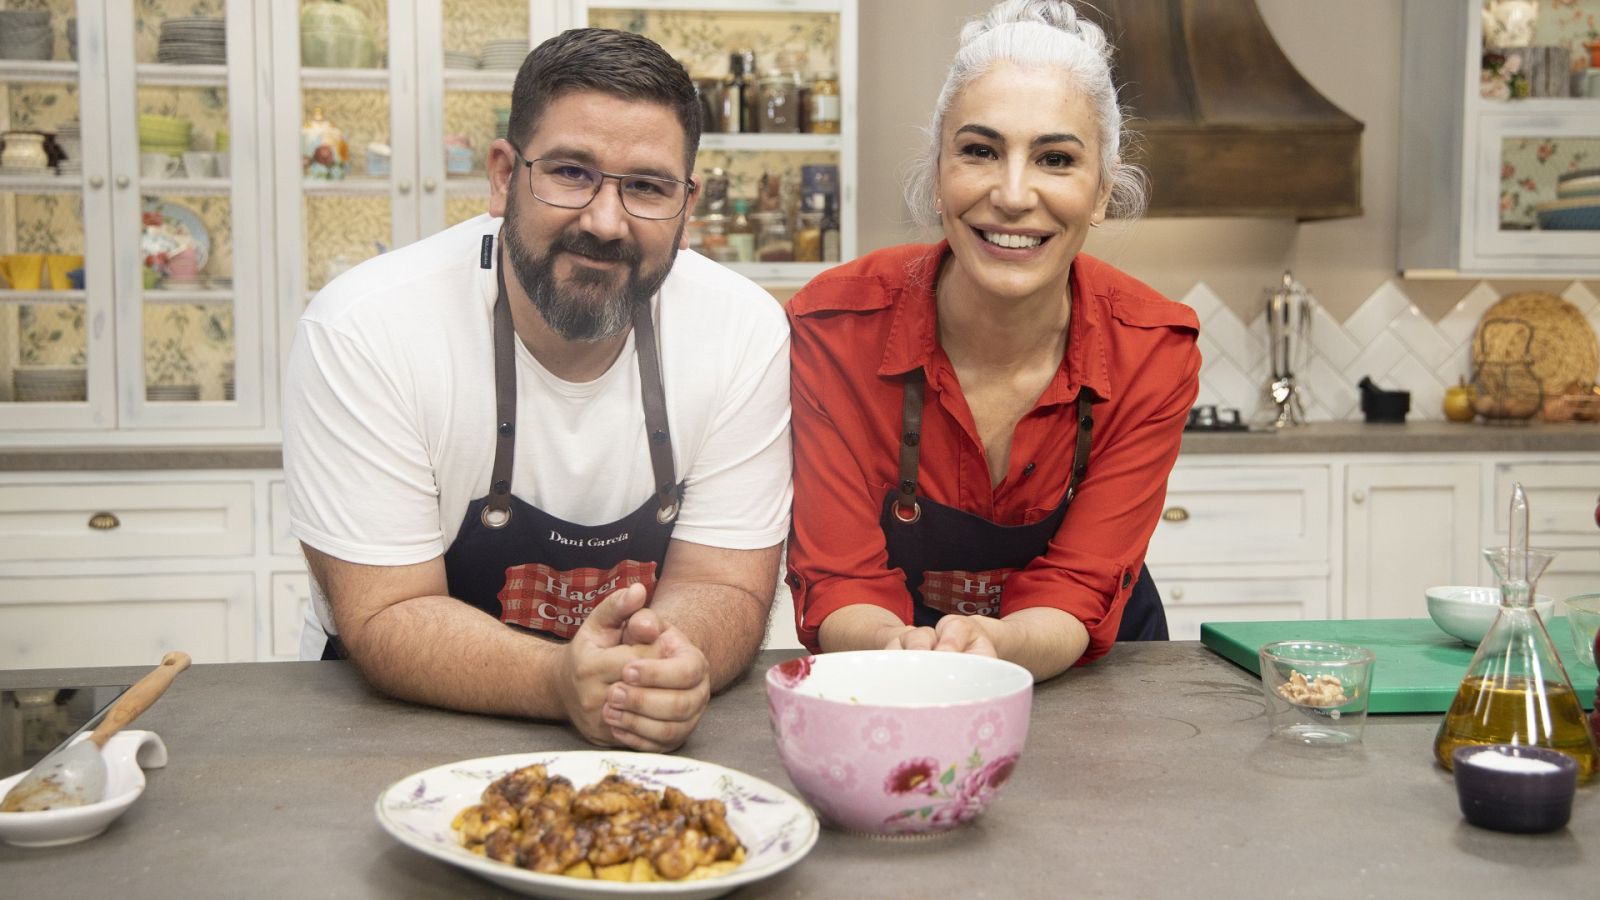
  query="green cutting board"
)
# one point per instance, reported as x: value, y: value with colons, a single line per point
x: 1418, y: 666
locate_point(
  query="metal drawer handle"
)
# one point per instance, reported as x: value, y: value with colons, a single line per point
x: 1175, y: 514
x: 104, y: 521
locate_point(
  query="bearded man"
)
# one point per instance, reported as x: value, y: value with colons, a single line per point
x: 539, y: 462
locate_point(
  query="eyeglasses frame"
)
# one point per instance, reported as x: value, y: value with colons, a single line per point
x: 528, y: 163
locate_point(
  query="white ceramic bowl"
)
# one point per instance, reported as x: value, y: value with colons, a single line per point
x: 127, y: 755
x: 1466, y: 611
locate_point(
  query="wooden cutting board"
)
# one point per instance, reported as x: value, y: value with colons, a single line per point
x: 1418, y: 666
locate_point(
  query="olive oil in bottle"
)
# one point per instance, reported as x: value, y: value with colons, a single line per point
x: 1494, y: 712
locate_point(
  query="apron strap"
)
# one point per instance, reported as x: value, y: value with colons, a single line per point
x: 1080, y: 453
x: 906, y: 508
x: 497, y: 510
x: 668, y: 492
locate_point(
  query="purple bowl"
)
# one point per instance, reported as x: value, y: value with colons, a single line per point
x: 1516, y: 788
x: 899, y: 742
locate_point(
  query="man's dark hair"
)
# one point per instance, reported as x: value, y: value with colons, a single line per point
x: 619, y: 63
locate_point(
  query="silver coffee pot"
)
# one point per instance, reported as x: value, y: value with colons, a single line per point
x: 1289, y: 314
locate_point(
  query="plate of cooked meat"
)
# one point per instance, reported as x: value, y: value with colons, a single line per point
x: 600, y: 823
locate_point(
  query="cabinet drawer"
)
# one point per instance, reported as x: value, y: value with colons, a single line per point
x: 125, y: 621
x: 129, y: 519
x: 291, y: 598
x: 1191, y: 601
x: 283, y: 543
x: 1242, y: 516
x: 1561, y: 497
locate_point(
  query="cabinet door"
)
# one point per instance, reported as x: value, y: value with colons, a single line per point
x: 187, y: 213
x: 1561, y: 510
x: 1518, y: 221
x: 468, y: 53
x: 344, y: 126
x: 125, y: 621
x: 1408, y: 527
x: 56, y: 346
x: 291, y: 607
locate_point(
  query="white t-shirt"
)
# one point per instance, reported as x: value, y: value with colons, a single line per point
x: 389, y: 410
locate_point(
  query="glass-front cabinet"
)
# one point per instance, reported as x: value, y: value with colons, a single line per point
x: 390, y: 109
x: 777, y: 81
x: 130, y: 216
x: 179, y: 177
x: 1500, y: 139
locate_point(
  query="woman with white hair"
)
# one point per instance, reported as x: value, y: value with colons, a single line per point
x: 983, y: 427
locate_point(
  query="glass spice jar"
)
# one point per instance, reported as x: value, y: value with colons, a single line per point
x: 773, y: 240
x: 780, y: 103
x: 824, y: 103
x: 808, y: 237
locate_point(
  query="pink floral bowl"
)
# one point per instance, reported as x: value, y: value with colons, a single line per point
x: 899, y: 742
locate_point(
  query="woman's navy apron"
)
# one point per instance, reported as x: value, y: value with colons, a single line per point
x: 956, y: 562
x: 530, y: 569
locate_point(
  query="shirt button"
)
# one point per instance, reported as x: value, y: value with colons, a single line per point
x: 1127, y: 579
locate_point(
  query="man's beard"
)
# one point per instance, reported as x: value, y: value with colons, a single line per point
x: 588, y: 308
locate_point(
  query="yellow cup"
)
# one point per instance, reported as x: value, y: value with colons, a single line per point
x: 56, y: 267
x: 22, y: 271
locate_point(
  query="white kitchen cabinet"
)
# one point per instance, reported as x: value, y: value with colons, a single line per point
x: 1474, y: 169
x: 125, y: 620
x: 1408, y: 526
x: 701, y: 34
x: 116, y: 568
x: 1561, y: 517
x: 1242, y: 542
x: 175, y: 360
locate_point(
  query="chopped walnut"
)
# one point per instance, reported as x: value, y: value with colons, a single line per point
x: 1323, y: 690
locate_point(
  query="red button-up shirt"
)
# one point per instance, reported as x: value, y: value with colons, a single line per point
x: 860, y: 327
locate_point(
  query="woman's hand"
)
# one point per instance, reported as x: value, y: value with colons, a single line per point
x: 966, y: 634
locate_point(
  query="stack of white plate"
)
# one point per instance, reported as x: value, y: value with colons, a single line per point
x: 172, y: 393
x: 460, y: 59
x: 193, y: 42
x: 507, y: 54
x: 49, y: 384
x: 227, y: 390
x: 1577, y: 203
x: 70, y: 140
x: 502, y: 121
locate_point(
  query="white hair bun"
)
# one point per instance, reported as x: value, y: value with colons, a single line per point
x: 1058, y: 14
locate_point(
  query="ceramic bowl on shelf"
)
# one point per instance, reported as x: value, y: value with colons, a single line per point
x: 899, y: 742
x: 1467, y: 611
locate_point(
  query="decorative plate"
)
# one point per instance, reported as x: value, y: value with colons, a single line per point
x: 1564, y: 350
x: 776, y: 829
x: 170, y: 227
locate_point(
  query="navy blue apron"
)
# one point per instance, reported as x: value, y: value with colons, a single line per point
x: 530, y: 569
x: 956, y: 562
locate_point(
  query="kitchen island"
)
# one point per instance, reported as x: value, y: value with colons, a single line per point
x: 1146, y: 774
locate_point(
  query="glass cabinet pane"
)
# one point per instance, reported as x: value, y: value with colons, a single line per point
x: 483, y: 46
x: 45, y: 348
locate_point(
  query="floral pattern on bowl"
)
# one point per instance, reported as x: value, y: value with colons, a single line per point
x: 899, y: 742
x: 776, y: 828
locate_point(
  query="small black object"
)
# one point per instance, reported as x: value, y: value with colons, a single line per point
x: 1518, y: 801
x: 1381, y: 406
x: 486, y: 253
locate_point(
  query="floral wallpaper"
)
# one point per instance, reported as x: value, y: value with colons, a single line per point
x: 1568, y: 23
x: 470, y: 24
x: 342, y: 231
x: 703, y: 40
x: 1529, y: 168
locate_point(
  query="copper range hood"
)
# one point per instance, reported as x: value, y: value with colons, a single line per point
x: 1228, y: 125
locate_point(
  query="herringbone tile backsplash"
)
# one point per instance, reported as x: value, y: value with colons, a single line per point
x: 1387, y: 338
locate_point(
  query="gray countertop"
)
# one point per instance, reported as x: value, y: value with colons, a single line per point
x: 1145, y: 775
x: 1322, y: 438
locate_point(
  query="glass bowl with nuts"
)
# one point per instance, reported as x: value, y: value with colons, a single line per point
x: 1316, y: 691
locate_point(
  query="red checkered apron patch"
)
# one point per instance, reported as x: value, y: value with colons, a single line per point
x: 964, y: 593
x: 539, y: 597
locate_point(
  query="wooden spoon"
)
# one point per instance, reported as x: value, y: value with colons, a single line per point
x: 76, y: 775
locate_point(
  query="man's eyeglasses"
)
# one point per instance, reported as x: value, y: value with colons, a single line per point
x: 570, y: 185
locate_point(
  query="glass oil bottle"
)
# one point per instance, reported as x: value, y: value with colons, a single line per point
x: 1516, y: 690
